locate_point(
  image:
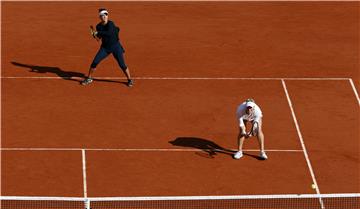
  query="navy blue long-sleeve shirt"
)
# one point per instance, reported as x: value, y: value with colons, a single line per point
x: 108, y: 34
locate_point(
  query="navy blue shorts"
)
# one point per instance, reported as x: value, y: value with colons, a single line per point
x: 117, y: 51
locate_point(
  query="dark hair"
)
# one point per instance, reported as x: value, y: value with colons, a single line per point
x: 102, y: 9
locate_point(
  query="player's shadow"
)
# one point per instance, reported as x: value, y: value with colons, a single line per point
x: 207, y: 147
x: 66, y: 75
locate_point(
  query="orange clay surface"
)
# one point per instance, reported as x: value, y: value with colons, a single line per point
x: 174, y: 39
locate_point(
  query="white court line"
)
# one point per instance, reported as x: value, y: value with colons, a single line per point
x: 178, y: 78
x: 83, y: 154
x: 218, y: 1
x: 355, y: 91
x: 139, y: 150
x: 302, y: 143
x: 210, y: 197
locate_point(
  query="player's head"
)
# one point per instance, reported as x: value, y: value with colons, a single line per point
x: 103, y: 14
x: 250, y: 100
x: 250, y: 104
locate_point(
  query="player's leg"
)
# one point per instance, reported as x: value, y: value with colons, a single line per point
x: 257, y: 131
x: 241, y: 139
x: 100, y: 55
x: 119, y: 56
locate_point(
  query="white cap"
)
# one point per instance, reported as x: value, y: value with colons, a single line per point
x: 103, y: 12
x: 250, y: 104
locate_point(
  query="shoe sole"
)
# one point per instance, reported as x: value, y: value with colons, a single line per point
x: 264, y: 158
x: 237, y: 158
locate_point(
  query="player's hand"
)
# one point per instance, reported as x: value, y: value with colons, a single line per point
x: 93, y: 32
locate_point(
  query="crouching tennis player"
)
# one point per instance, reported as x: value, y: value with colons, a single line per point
x: 250, y: 112
x: 110, y: 44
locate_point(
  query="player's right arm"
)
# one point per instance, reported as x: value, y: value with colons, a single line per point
x: 94, y: 33
x: 242, y: 127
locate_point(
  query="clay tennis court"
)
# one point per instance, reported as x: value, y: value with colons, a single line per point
x: 193, y: 63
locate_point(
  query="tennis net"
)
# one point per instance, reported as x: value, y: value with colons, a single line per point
x: 290, y: 201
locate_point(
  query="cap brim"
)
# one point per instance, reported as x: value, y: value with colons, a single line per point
x: 250, y: 104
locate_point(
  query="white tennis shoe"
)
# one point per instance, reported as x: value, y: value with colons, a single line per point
x: 238, y: 155
x: 86, y: 81
x: 263, y: 155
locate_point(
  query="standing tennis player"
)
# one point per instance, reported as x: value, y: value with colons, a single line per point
x: 250, y: 112
x: 110, y: 44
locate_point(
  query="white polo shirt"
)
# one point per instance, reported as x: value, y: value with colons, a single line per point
x: 241, y: 115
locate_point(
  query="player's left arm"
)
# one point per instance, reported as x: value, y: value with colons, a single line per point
x: 256, y: 122
x: 255, y: 126
x: 253, y: 129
